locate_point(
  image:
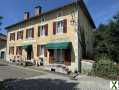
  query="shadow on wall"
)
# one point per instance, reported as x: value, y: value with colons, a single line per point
x: 36, y: 84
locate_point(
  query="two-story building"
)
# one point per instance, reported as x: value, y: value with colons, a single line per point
x: 51, y: 37
x: 3, y: 44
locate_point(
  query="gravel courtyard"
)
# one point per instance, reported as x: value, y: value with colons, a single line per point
x: 19, y: 78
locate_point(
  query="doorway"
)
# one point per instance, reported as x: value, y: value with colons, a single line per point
x: 2, y: 56
x: 29, y: 51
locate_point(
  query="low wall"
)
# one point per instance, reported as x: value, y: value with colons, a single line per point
x: 86, y: 66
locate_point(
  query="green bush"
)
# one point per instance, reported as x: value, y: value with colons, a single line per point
x: 104, y: 67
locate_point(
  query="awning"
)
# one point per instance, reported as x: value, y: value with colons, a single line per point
x: 26, y: 45
x: 62, y: 45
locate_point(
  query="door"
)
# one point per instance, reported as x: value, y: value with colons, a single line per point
x: 2, y: 55
x: 59, y: 56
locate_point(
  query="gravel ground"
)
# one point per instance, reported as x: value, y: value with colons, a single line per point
x: 18, y: 78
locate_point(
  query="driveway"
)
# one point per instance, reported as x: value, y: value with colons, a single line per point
x: 19, y: 78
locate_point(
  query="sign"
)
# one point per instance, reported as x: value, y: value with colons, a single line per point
x: 114, y: 85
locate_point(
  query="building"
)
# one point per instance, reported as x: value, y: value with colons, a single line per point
x: 3, y: 42
x: 51, y: 37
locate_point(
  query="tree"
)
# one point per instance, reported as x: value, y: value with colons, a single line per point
x: 107, y: 39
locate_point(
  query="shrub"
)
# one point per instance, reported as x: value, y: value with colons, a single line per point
x: 104, y: 67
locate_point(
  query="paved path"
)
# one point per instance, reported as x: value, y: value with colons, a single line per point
x: 27, y: 79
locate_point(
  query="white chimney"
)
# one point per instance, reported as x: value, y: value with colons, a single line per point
x: 26, y: 15
x: 38, y: 10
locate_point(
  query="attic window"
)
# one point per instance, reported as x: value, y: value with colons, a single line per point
x: 59, y: 14
x: 42, y: 19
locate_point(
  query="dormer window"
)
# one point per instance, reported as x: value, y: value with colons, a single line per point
x: 59, y: 14
x: 42, y: 19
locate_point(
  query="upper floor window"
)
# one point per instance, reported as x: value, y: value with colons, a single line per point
x: 43, y: 30
x: 19, y: 35
x: 12, y: 36
x: 11, y: 50
x: 60, y: 27
x: 30, y: 33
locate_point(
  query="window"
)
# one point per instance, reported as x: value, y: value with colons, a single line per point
x: 19, y: 35
x: 59, y: 27
x: 43, y: 30
x: 41, y: 50
x: 18, y: 50
x: 11, y: 50
x: 42, y: 19
x: 59, y: 56
x: 12, y: 36
x: 30, y: 33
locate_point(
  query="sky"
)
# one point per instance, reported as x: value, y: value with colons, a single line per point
x: 13, y: 10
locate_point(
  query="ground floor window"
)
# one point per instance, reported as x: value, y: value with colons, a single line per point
x: 11, y: 50
x: 42, y: 50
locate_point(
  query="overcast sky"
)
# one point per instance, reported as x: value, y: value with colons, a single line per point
x: 12, y: 10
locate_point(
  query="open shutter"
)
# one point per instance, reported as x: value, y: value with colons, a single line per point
x: 26, y: 33
x: 39, y: 31
x: 65, y: 26
x: 32, y: 32
x: 54, y: 28
x: 46, y: 29
x: 45, y: 53
x: 17, y: 51
x: 38, y: 50
x: 21, y: 34
x: 67, y: 57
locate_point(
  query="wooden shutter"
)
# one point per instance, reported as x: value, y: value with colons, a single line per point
x: 14, y: 36
x: 46, y: 29
x: 17, y: 35
x: 38, y: 50
x: 45, y: 53
x: 54, y: 28
x: 39, y: 31
x: 32, y: 32
x: 26, y: 33
x: 21, y: 34
x: 67, y: 57
x: 17, y: 51
x: 65, y: 26
x: 51, y: 56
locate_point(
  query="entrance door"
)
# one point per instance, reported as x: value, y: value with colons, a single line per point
x: 29, y: 52
x: 59, y: 56
x: 2, y: 55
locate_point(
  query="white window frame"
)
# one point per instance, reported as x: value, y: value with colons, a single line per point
x: 42, y: 30
x: 42, y: 50
x: 30, y: 31
x: 59, y: 27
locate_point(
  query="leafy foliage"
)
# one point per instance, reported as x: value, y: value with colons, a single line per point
x: 107, y: 39
x: 105, y: 67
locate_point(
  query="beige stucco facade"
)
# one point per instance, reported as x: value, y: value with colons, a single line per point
x: 68, y: 12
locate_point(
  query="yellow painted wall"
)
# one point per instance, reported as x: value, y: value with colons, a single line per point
x: 49, y: 18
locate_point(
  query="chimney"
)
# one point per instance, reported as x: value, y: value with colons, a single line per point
x: 38, y: 10
x: 26, y: 15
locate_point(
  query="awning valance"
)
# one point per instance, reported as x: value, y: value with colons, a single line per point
x: 61, y: 45
x: 26, y: 45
